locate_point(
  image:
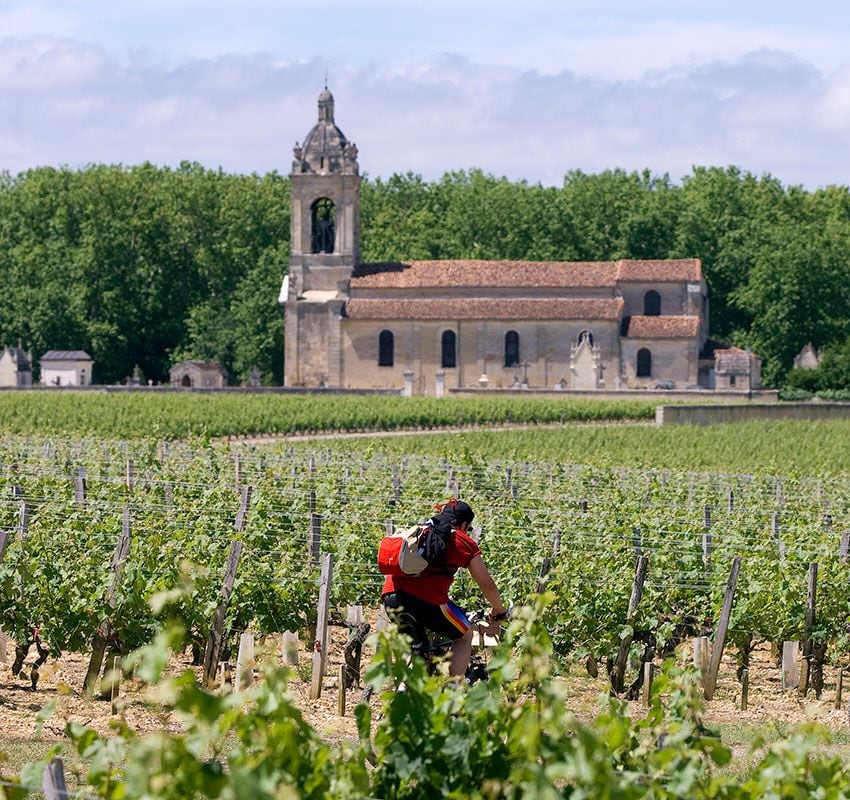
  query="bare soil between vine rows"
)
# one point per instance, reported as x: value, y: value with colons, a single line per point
x: 61, y: 681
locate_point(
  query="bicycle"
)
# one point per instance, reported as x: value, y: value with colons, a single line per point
x: 434, y: 652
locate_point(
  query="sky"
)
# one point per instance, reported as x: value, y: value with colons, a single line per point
x: 530, y: 89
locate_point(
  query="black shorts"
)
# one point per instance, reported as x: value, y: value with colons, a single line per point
x: 413, y: 615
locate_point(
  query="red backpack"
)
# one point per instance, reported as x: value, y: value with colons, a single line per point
x: 410, y: 551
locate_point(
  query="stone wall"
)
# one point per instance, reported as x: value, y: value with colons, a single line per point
x: 750, y: 412
x: 544, y: 345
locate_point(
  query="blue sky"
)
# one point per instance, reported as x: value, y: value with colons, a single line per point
x: 527, y: 89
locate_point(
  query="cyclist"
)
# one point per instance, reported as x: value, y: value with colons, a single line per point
x: 422, y: 601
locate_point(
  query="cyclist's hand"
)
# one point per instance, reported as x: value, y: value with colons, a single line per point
x: 495, y: 620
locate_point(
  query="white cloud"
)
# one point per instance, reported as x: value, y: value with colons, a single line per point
x: 24, y: 20
x: 66, y: 102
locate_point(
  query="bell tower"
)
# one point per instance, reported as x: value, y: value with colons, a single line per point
x: 324, y: 250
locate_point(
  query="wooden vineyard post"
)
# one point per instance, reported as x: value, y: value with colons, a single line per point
x: 722, y: 627
x: 216, y: 634
x: 790, y: 668
x: 244, y: 504
x: 544, y: 574
x: 169, y: 498
x: 556, y: 544
x: 4, y: 642
x: 619, y: 673
x: 130, y: 475
x: 290, y: 648
x: 23, y: 520
x: 80, y: 486
x: 702, y: 655
x: 104, y: 630
x: 315, y: 537
x: 706, y: 536
x: 774, y: 532
x: 839, y: 686
x: 245, y: 662
x: 53, y: 782
x: 811, y: 597
x: 745, y: 688
x: 730, y: 501
x: 340, y: 700
x: 238, y: 474
x: 844, y: 547
x: 647, y: 683
x: 320, y: 643
x: 451, y: 483
x: 114, y: 684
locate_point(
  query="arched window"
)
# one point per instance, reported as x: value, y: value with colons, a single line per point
x: 585, y: 336
x: 323, y: 231
x: 644, y: 363
x: 386, y: 349
x: 511, y: 349
x: 652, y: 304
x: 449, y: 350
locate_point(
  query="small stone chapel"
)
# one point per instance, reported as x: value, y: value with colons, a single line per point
x: 426, y: 327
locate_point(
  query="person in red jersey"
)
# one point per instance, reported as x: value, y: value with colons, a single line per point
x: 422, y: 601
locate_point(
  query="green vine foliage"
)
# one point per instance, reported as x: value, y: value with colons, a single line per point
x: 510, y: 737
x: 57, y: 578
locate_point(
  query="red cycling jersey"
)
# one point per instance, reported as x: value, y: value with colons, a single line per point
x: 432, y: 584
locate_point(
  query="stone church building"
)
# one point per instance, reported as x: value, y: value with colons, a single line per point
x: 425, y: 327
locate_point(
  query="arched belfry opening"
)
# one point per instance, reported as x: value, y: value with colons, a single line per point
x: 323, y: 226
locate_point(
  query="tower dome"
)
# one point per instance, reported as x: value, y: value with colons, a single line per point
x: 325, y: 149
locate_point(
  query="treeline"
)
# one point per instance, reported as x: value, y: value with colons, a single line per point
x: 146, y: 265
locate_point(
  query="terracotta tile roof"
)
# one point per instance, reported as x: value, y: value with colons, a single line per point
x: 660, y: 271
x: 556, y: 274
x: 526, y: 308
x: 661, y: 327
x: 66, y: 355
x: 733, y: 361
x: 429, y: 274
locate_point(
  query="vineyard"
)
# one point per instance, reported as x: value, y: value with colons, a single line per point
x: 101, y: 544
x: 66, y: 505
x: 174, y: 415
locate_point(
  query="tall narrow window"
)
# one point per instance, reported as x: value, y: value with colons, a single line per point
x: 644, y: 363
x: 585, y: 337
x: 652, y: 304
x: 323, y: 230
x: 511, y: 349
x: 449, y: 348
x: 386, y: 349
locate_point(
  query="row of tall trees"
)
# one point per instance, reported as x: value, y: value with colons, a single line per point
x: 145, y: 265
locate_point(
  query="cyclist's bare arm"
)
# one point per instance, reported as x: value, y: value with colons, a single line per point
x: 478, y: 569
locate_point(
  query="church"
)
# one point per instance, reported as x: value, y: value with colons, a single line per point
x: 429, y: 327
